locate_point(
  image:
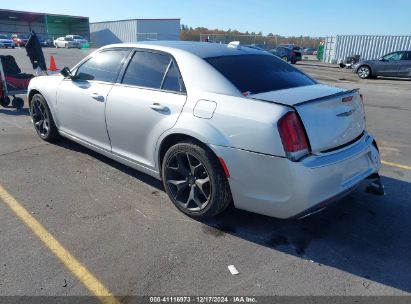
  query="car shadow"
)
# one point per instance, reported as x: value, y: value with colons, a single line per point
x: 324, y: 66
x: 362, y: 234
x: 71, y: 145
x: 365, y: 235
x: 15, y: 112
x: 392, y: 78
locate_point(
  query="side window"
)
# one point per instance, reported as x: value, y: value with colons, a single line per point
x: 146, y: 70
x: 393, y: 56
x: 406, y: 56
x: 103, y: 66
x: 172, y: 81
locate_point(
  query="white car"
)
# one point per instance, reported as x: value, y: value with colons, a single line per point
x: 78, y: 39
x: 216, y: 123
x: 63, y: 42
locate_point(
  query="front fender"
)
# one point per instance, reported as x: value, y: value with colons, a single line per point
x: 47, y: 86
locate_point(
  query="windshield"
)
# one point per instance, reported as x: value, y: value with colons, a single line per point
x: 77, y: 37
x: 253, y: 74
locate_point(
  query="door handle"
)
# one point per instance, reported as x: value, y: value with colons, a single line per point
x: 97, y: 97
x: 158, y: 107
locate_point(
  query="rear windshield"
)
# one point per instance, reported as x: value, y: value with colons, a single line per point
x: 253, y: 74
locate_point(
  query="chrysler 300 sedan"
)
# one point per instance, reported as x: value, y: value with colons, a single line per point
x: 218, y: 124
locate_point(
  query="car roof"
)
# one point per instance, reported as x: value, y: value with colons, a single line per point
x: 200, y: 49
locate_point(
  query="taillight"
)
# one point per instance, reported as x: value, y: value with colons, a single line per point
x: 293, y: 136
x: 292, y: 54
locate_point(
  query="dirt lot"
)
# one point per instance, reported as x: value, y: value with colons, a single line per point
x: 120, y: 225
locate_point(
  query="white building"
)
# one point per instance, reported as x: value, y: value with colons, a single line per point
x: 134, y: 30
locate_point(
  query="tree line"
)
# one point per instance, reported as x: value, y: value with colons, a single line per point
x: 221, y: 36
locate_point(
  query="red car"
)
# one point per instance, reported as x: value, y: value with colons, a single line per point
x: 20, y: 39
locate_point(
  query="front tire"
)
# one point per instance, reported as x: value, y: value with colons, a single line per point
x: 194, y: 180
x: 42, y: 119
x: 364, y: 72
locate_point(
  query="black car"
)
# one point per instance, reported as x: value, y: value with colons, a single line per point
x: 397, y: 64
x: 287, y: 54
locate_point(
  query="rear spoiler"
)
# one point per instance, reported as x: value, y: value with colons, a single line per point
x: 328, y: 96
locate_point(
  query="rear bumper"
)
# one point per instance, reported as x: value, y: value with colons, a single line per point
x: 296, y: 58
x: 277, y: 187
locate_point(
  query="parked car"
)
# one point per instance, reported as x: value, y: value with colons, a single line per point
x: 291, y: 46
x: 44, y: 42
x: 215, y: 123
x: 397, y: 64
x: 20, y: 39
x: 287, y: 54
x: 64, y: 42
x: 83, y: 42
x: 6, y: 42
x: 309, y: 51
x: 255, y: 47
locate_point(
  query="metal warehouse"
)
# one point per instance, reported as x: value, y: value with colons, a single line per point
x: 134, y: 30
x: 46, y: 25
x: 368, y: 47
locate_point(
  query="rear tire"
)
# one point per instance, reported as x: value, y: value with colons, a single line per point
x: 285, y: 58
x: 42, y: 119
x: 194, y: 180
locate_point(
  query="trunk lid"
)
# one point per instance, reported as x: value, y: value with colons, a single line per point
x: 331, y: 116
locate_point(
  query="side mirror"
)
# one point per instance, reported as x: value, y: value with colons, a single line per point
x: 382, y: 59
x: 66, y: 72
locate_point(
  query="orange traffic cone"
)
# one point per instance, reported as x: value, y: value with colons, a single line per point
x: 53, y: 66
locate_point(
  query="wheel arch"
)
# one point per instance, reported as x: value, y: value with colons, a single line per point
x: 174, y: 138
x: 35, y: 91
x: 368, y: 66
x: 31, y: 94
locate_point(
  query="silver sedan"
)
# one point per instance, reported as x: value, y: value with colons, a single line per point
x: 218, y: 124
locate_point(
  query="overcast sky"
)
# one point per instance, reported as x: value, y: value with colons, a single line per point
x: 296, y: 17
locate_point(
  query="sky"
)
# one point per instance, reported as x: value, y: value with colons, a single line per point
x: 318, y: 18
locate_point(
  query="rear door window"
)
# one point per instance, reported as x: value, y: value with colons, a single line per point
x: 146, y: 70
x: 172, y: 81
x: 153, y: 70
x: 407, y: 56
x: 259, y: 73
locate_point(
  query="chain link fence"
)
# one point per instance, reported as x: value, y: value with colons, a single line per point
x: 265, y: 42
